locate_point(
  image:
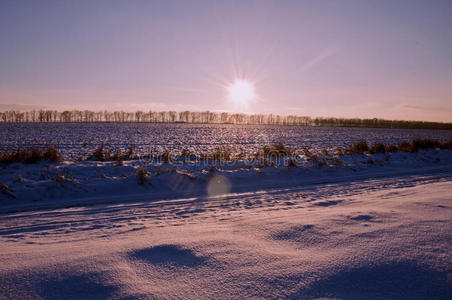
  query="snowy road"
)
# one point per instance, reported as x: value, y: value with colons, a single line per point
x: 117, y: 218
x: 374, y: 238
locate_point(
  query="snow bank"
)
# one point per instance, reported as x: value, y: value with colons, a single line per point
x: 47, y: 185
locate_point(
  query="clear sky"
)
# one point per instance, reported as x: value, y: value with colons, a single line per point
x: 389, y: 59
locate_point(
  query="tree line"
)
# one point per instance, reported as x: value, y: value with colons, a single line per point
x: 208, y: 117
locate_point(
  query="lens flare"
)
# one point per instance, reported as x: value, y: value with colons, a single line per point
x: 218, y: 185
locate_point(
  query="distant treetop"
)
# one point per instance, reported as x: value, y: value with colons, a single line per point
x: 208, y: 117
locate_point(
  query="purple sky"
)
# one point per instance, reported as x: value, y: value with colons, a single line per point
x: 389, y: 59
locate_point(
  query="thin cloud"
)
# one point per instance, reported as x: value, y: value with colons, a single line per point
x: 323, y: 55
x: 428, y: 108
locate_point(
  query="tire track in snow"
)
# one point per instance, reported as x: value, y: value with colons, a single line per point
x: 123, y: 218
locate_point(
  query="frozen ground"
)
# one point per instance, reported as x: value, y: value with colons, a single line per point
x: 374, y: 238
x: 75, y: 140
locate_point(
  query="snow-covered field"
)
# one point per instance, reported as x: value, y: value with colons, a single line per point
x: 75, y: 140
x: 374, y: 238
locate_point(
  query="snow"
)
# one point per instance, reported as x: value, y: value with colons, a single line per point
x: 75, y: 140
x: 355, y: 231
x: 53, y: 185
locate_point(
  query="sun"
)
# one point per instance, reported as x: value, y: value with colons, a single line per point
x: 241, y: 92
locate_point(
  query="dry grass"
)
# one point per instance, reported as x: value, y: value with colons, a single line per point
x: 98, y: 154
x: 446, y: 145
x: 4, y: 189
x: 312, y: 157
x: 382, y: 148
x: 322, y: 163
x: 265, y: 162
x: 52, y: 154
x: 130, y: 152
x: 219, y: 154
x: 19, y: 179
x: 404, y: 146
x: 357, y: 148
x: 119, y: 159
x: 101, y: 155
x: 166, y: 156
x: 64, y: 179
x: 413, y: 146
x: 64, y: 176
x: 277, y: 150
x: 268, y: 154
x: 419, y: 144
x: 422, y: 144
x: 212, y: 171
x: 291, y: 163
x: 337, y: 162
x: 161, y: 171
x: 142, y: 176
x: 29, y: 156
